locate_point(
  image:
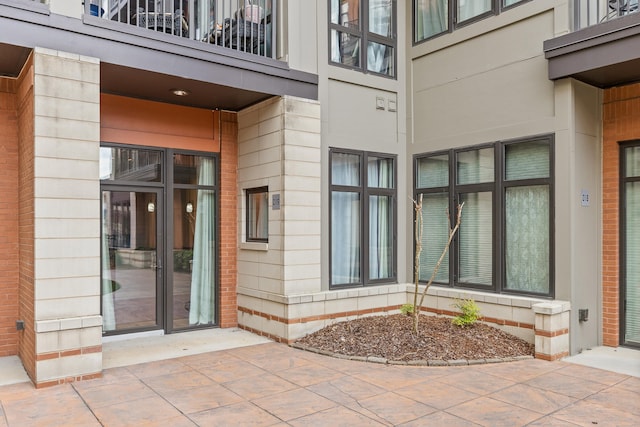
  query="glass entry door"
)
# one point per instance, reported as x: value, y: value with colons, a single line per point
x: 131, y: 260
x: 159, y: 240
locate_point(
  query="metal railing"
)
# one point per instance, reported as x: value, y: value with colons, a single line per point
x: 243, y: 25
x: 593, y: 12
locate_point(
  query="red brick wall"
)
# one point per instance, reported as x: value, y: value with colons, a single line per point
x: 25, y: 102
x: 228, y: 219
x: 8, y: 218
x: 621, y: 122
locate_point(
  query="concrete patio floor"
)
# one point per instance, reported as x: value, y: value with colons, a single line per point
x: 272, y: 384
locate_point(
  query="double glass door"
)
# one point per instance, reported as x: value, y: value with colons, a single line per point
x: 158, y: 240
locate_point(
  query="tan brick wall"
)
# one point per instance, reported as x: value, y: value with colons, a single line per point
x: 25, y: 102
x: 228, y: 215
x: 621, y: 110
x: 8, y: 218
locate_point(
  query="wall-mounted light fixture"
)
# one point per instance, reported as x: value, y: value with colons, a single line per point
x: 189, y: 207
x: 151, y: 207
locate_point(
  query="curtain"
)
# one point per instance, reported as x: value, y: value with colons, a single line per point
x: 202, y: 306
x: 432, y: 17
x: 468, y: 9
x: 380, y: 175
x: 527, y: 238
x: 262, y: 215
x: 108, y: 289
x: 632, y: 259
x: 335, y: 36
x: 345, y: 220
x: 379, y: 56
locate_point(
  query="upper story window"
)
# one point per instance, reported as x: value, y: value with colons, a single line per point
x: 362, y: 35
x: 434, y: 17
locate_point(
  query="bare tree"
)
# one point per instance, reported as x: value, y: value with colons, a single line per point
x: 417, y: 306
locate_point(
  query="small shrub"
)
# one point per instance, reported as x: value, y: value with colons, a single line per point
x: 470, y: 312
x: 406, y: 309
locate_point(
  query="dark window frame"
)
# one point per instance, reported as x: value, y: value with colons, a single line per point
x: 365, y: 37
x: 497, y: 7
x: 622, y: 258
x: 498, y: 188
x: 165, y: 188
x: 365, y: 191
x: 248, y: 221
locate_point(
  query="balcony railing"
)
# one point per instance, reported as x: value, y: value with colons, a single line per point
x: 593, y: 12
x: 243, y: 25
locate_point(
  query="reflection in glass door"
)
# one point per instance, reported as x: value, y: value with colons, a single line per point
x: 193, y: 300
x: 131, y: 265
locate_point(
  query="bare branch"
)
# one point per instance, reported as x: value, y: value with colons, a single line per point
x: 452, y: 232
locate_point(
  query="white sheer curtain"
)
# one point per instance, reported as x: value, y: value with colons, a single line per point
x: 108, y: 287
x: 202, y: 306
x: 527, y: 238
x: 345, y: 220
x: 467, y: 9
x: 379, y: 23
x: 432, y: 17
x: 380, y: 175
x: 335, y: 36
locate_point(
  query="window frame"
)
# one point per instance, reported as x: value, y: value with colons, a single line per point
x: 622, y: 237
x: 497, y: 7
x: 499, y: 189
x: 365, y: 191
x: 365, y: 37
x: 249, y: 192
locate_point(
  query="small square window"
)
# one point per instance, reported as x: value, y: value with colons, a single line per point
x: 258, y: 214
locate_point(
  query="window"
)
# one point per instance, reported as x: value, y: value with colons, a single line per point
x: 363, y: 212
x: 257, y: 214
x: 504, y: 243
x: 434, y: 17
x: 630, y: 244
x: 362, y: 35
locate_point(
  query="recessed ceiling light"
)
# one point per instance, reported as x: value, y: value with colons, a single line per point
x: 180, y: 92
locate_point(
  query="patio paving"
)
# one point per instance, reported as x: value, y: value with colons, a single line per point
x: 274, y: 385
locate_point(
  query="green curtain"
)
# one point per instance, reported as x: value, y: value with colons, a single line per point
x: 527, y: 238
x: 432, y: 17
x: 202, y: 306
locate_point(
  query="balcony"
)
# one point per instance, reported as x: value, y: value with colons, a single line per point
x: 242, y: 25
x: 594, y: 12
x: 226, y: 54
x: 603, y: 49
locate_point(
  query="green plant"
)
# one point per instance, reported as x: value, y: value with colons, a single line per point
x: 406, y: 309
x: 182, y: 259
x: 470, y: 312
